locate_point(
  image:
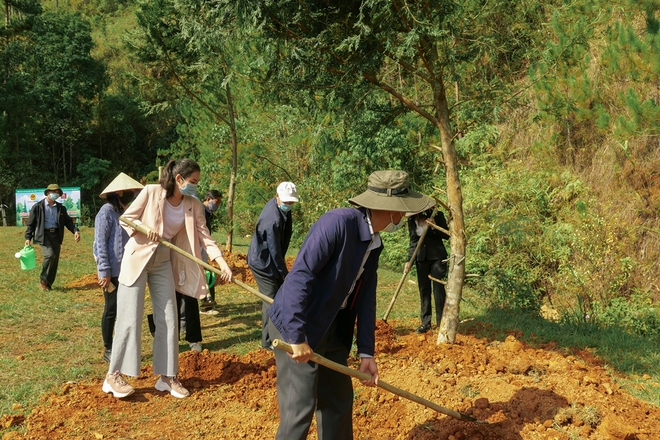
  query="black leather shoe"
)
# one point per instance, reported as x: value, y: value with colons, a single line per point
x: 423, y: 328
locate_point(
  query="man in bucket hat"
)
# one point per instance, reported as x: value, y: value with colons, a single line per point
x: 330, y: 288
x: 45, y: 226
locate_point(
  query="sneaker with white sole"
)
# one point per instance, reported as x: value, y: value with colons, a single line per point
x: 114, y: 383
x: 173, y: 386
x: 196, y: 346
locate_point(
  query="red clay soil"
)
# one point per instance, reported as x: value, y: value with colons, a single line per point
x: 522, y: 392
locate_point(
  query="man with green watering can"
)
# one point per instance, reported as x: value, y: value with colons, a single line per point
x: 45, y: 226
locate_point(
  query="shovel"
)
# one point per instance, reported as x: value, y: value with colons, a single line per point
x: 277, y: 343
x: 205, y: 265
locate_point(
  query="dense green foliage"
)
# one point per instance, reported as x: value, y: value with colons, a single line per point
x: 555, y: 109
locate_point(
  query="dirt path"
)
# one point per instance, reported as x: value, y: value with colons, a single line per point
x: 523, y: 393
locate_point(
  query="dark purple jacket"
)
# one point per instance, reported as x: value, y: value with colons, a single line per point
x: 324, y: 271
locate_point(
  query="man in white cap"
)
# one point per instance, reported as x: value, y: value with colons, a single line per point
x: 109, y: 241
x: 266, y: 255
x: 45, y: 226
x: 331, y: 287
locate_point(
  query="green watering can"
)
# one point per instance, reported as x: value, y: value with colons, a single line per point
x: 27, y: 257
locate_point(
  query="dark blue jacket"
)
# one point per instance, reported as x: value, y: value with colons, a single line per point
x: 324, y: 271
x: 270, y: 242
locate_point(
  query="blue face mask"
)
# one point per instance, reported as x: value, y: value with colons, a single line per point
x: 212, y: 206
x: 189, y: 190
x: 285, y: 208
x: 53, y: 196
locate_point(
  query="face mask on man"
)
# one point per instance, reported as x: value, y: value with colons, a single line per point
x: 189, y: 189
x: 53, y: 196
x: 212, y: 206
x: 285, y: 208
x: 392, y: 227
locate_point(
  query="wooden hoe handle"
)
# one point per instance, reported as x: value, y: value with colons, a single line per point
x: 144, y: 230
x: 278, y: 343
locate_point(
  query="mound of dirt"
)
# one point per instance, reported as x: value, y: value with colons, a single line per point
x: 237, y: 262
x: 239, y: 267
x: 521, y: 392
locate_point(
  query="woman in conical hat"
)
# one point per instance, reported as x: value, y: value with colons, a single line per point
x: 109, y: 241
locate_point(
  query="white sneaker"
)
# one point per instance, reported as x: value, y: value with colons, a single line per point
x: 172, y: 385
x: 114, y: 383
x: 196, y: 346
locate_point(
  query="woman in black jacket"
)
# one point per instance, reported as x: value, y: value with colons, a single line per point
x: 430, y: 260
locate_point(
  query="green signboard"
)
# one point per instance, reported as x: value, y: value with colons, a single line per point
x: 26, y: 198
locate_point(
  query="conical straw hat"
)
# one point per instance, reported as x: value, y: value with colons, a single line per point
x: 121, y: 183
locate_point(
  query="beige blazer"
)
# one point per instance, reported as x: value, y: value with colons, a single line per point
x: 148, y: 210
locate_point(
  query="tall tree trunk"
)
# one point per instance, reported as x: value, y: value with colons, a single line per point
x: 233, y: 143
x: 456, y: 274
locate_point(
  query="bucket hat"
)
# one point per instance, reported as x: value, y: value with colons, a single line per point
x: 121, y: 183
x: 389, y: 190
x: 53, y: 187
x: 287, y: 192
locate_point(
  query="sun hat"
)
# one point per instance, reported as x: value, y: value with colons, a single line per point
x: 427, y: 209
x: 120, y: 183
x: 53, y: 187
x: 389, y: 190
x: 287, y: 192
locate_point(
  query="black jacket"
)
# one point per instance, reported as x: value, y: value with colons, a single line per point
x: 37, y: 220
x: 270, y: 242
x: 432, y: 248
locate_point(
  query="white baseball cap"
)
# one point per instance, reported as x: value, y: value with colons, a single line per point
x: 287, y: 192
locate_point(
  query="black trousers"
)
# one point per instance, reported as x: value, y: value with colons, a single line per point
x: 191, y: 313
x: 51, y: 250
x: 269, y: 287
x: 437, y: 269
x: 109, y: 314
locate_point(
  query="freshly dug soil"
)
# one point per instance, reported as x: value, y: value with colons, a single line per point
x: 522, y: 392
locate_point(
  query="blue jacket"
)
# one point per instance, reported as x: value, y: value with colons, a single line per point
x: 270, y: 242
x: 109, y: 241
x: 326, y: 266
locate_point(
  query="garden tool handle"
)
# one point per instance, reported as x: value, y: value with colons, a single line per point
x: 281, y: 345
x: 145, y: 230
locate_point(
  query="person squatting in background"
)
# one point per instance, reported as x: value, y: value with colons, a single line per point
x: 45, y: 226
x: 266, y: 255
x: 171, y: 212
x: 211, y: 202
x: 430, y: 260
x: 109, y: 241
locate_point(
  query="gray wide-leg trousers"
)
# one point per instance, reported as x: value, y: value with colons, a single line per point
x: 126, y: 347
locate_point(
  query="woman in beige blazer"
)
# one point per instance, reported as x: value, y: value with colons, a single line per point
x: 169, y: 210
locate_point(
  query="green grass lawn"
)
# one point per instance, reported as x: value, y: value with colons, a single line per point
x: 48, y: 338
